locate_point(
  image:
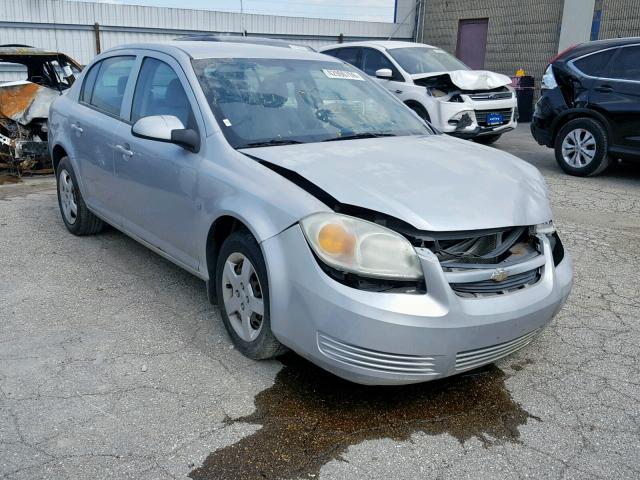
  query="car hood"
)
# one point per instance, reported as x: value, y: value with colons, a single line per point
x: 470, y: 79
x: 433, y: 182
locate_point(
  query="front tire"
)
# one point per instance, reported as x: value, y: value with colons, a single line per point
x: 487, y: 139
x: 581, y: 147
x: 75, y: 214
x: 243, y: 297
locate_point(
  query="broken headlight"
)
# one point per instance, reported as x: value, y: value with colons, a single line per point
x: 349, y: 244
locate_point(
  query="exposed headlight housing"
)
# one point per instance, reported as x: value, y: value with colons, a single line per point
x: 549, y: 229
x: 546, y: 228
x: 349, y: 244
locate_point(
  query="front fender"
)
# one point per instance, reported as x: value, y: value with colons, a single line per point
x: 264, y: 201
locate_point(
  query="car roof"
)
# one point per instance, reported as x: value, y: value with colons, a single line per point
x: 22, y: 50
x: 597, y: 45
x: 214, y: 37
x: 216, y: 49
x: 385, y: 44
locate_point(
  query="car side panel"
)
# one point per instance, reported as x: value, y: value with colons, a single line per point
x: 233, y: 184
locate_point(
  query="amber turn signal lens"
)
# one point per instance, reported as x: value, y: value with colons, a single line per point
x: 335, y: 240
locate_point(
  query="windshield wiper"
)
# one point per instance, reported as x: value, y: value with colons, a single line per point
x: 355, y: 136
x: 269, y: 143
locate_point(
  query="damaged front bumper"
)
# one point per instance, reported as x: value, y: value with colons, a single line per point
x: 386, y: 338
x: 472, y: 118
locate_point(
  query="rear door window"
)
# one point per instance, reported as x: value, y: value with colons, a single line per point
x: 626, y: 64
x: 350, y: 55
x: 110, y: 84
x: 595, y: 65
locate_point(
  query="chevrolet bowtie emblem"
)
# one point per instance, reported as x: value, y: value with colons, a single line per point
x: 499, y: 275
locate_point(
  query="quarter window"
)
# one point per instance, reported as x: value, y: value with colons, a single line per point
x: 626, y: 65
x: 595, y: 64
x: 110, y: 83
x: 89, y: 82
x: 160, y: 92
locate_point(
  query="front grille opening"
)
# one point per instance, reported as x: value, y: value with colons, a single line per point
x: 516, y: 282
x: 489, y: 252
x: 503, y: 246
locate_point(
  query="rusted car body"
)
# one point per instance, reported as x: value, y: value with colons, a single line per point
x: 24, y: 105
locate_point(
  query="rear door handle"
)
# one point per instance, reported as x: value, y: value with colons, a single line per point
x: 77, y: 127
x: 398, y: 91
x: 124, y: 150
x: 604, y: 89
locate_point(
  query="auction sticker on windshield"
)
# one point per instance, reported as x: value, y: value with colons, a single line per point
x: 342, y: 74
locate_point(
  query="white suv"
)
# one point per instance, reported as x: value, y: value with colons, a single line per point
x: 437, y: 86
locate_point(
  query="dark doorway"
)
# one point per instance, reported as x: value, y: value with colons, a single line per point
x: 472, y: 42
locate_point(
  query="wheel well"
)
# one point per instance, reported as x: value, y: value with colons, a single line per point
x: 57, y: 154
x: 218, y: 233
x: 418, y: 105
x: 562, y: 121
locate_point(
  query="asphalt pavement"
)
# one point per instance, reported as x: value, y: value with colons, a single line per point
x: 114, y: 365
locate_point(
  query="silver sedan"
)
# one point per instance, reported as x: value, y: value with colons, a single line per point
x: 325, y: 216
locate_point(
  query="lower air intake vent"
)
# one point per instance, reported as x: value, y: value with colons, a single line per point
x: 374, y: 360
x: 482, y: 356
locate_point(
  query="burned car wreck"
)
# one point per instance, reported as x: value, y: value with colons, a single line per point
x: 24, y: 105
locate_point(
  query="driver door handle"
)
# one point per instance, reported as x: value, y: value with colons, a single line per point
x: 124, y: 150
x: 77, y: 127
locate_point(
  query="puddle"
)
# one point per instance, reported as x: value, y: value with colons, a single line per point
x: 6, y: 179
x: 310, y: 417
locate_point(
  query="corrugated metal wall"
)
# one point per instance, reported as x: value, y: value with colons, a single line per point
x: 620, y: 18
x: 520, y: 34
x: 68, y: 26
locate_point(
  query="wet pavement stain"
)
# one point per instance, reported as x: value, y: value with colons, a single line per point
x: 6, y: 179
x: 310, y: 417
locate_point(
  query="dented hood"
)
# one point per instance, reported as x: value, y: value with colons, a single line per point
x: 434, y: 182
x: 470, y: 79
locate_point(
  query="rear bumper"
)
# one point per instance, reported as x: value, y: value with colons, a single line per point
x: 389, y: 338
x: 547, y: 110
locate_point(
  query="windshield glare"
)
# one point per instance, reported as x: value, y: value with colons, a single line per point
x: 426, y: 60
x: 299, y: 101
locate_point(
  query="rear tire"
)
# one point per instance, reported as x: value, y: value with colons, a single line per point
x: 243, y: 297
x: 75, y: 214
x: 581, y: 147
x: 487, y: 139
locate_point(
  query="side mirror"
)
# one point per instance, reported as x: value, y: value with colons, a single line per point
x: 384, y: 73
x: 166, y: 128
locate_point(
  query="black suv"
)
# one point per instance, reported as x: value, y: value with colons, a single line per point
x: 589, y: 109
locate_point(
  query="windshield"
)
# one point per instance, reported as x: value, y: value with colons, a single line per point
x: 426, y: 60
x: 261, y: 102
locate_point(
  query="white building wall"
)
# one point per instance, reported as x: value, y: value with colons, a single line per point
x: 68, y: 26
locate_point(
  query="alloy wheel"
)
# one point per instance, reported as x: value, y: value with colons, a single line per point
x: 68, y: 199
x: 579, y: 148
x: 242, y: 296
